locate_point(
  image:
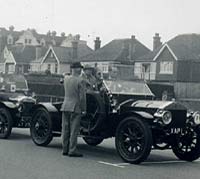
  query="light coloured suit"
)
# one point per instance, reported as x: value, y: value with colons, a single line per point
x: 73, y: 106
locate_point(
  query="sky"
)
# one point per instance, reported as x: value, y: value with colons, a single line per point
x: 107, y: 19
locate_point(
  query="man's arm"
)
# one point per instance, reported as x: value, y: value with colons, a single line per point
x: 82, y: 95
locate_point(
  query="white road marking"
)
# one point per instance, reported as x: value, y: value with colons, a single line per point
x: 168, y: 162
x: 111, y: 164
x: 122, y: 165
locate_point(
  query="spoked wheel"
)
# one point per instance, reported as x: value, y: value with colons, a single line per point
x: 92, y: 141
x: 6, y: 123
x: 41, y: 127
x: 187, y: 146
x: 133, y: 140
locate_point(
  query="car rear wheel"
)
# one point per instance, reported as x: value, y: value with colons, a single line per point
x: 133, y: 140
x: 92, y: 141
x: 6, y: 123
x: 187, y: 146
x: 41, y: 127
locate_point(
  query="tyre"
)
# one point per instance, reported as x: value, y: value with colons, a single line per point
x: 41, y: 127
x: 187, y: 145
x: 133, y: 140
x: 92, y: 141
x: 6, y: 123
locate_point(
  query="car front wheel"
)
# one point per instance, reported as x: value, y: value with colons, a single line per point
x: 187, y: 145
x: 41, y: 127
x: 133, y: 140
x: 6, y: 123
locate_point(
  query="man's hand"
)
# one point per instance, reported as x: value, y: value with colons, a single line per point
x: 83, y: 113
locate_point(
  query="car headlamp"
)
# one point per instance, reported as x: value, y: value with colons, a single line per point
x: 167, y: 117
x: 196, y: 117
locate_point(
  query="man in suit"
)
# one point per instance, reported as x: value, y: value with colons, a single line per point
x: 73, y: 107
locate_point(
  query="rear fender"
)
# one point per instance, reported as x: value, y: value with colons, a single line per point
x: 48, y: 106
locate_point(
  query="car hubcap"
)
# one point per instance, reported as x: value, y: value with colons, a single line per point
x: 41, y: 126
x: 132, y: 139
x: 187, y: 141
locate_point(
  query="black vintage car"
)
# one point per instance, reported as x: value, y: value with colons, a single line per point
x: 126, y: 111
x: 16, y: 102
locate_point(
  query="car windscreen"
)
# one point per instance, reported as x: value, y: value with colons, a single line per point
x: 128, y: 87
x: 12, y: 83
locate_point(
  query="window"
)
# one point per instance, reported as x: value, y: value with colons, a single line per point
x: 51, y: 55
x: 11, y: 68
x: 29, y: 41
x: 166, y: 67
x: 105, y: 68
x: 146, y: 68
x: 49, y: 67
x: 26, y: 41
x: 56, y: 68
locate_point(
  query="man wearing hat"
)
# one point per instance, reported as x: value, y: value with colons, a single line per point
x: 73, y: 107
x: 89, y: 77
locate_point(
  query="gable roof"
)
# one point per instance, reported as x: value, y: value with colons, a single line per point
x: 184, y: 47
x: 64, y: 54
x: 25, y: 54
x: 118, y: 50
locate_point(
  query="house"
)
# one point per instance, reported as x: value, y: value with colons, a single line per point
x: 177, y: 60
x: 8, y: 37
x: 116, y: 59
x: 23, y: 51
x: 145, y: 67
x: 29, y: 37
x: 57, y: 60
x: 177, y: 63
x: 16, y: 59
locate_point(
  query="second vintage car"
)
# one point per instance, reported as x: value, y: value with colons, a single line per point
x: 16, y: 103
x: 126, y: 111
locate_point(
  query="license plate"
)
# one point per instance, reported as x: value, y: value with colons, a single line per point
x: 176, y: 130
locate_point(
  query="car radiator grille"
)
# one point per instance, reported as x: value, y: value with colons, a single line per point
x: 178, y: 118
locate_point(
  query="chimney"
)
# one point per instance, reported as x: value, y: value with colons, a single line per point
x: 156, y: 41
x: 38, y: 51
x: 132, y: 47
x: 97, y: 43
x: 126, y: 50
x: 74, y: 49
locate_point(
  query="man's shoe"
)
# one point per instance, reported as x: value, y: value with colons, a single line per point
x: 65, y: 153
x: 75, y: 155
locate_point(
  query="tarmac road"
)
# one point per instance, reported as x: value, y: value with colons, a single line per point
x: 20, y: 158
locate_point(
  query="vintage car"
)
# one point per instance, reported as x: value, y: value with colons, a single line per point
x: 16, y: 102
x: 126, y: 111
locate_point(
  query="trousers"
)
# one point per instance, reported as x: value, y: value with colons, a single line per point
x: 70, y: 130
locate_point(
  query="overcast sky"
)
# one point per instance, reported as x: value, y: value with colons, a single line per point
x: 108, y: 19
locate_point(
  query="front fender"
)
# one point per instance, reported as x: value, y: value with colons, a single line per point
x: 141, y: 114
x: 9, y: 104
x: 54, y: 113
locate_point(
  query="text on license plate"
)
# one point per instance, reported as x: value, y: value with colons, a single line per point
x: 176, y: 130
